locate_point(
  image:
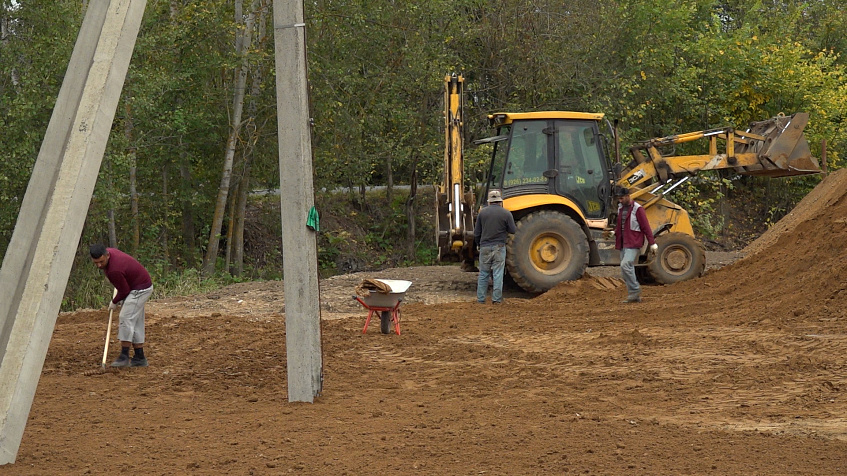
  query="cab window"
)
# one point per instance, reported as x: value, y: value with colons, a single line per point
x: 580, y: 165
x: 528, y: 158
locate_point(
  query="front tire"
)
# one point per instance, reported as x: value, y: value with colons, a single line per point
x: 385, y: 322
x: 679, y: 257
x: 549, y: 247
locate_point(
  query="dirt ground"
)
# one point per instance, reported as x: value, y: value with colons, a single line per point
x: 742, y: 371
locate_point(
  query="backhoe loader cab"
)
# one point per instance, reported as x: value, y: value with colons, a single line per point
x: 560, y: 154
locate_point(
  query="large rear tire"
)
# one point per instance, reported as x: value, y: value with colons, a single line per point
x: 549, y: 247
x: 678, y: 258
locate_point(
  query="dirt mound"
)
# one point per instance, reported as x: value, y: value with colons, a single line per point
x: 795, y: 271
x: 582, y: 288
x: 831, y: 189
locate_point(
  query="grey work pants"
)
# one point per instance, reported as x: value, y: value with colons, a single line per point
x: 628, y: 258
x: 131, y: 327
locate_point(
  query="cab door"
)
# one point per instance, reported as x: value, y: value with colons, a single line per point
x: 528, y: 162
x: 580, y: 163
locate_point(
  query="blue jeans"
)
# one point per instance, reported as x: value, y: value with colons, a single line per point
x: 628, y: 257
x: 492, y: 262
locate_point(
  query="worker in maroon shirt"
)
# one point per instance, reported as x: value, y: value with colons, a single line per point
x: 631, y: 229
x: 134, y: 287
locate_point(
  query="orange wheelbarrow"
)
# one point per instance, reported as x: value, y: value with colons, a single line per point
x: 382, y: 296
x: 388, y: 314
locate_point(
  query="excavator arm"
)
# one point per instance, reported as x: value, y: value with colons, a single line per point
x: 454, y: 201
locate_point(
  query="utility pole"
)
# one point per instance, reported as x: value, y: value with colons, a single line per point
x: 37, y: 264
x: 297, y: 196
x: 40, y: 255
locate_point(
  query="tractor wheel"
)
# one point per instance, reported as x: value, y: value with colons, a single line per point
x: 678, y: 258
x: 549, y: 247
x: 385, y: 322
x: 643, y: 275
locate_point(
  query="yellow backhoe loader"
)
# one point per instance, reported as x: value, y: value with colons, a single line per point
x: 556, y: 176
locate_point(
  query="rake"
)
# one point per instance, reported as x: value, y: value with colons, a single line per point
x: 103, y: 369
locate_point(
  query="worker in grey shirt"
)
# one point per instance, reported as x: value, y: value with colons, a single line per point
x: 493, y: 226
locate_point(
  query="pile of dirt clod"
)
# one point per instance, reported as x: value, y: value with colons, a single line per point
x: 580, y: 288
x: 794, y: 266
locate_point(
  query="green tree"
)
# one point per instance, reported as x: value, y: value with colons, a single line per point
x: 376, y: 71
x: 37, y: 39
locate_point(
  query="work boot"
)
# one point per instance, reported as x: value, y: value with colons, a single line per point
x: 121, y: 361
x: 136, y: 362
x: 632, y: 298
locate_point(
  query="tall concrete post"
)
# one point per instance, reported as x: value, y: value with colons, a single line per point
x: 299, y: 243
x: 40, y: 254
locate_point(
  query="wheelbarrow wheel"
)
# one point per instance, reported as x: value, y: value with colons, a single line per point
x: 385, y: 322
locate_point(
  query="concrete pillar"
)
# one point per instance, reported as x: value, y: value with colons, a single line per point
x: 299, y: 243
x: 40, y: 255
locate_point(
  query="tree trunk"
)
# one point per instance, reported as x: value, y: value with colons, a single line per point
x: 410, y: 210
x: 723, y: 205
x: 252, y: 134
x: 237, y: 268
x: 188, y: 232
x: 229, y: 229
x: 113, y: 235
x: 242, y: 192
x: 242, y: 46
x: 166, y: 254
x: 133, y: 193
x: 133, y: 169
x: 389, y: 178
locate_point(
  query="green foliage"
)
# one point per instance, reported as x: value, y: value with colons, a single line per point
x: 723, y: 70
x: 38, y: 39
x: 352, y: 240
x: 781, y: 197
x: 702, y: 197
x: 375, y: 72
x: 331, y: 250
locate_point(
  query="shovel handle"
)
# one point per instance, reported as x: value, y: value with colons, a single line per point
x: 108, y: 332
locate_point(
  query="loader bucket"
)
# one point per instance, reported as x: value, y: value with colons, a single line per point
x: 784, y: 151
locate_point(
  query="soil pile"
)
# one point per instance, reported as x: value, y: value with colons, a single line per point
x: 743, y: 371
x: 830, y: 190
x: 796, y: 268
